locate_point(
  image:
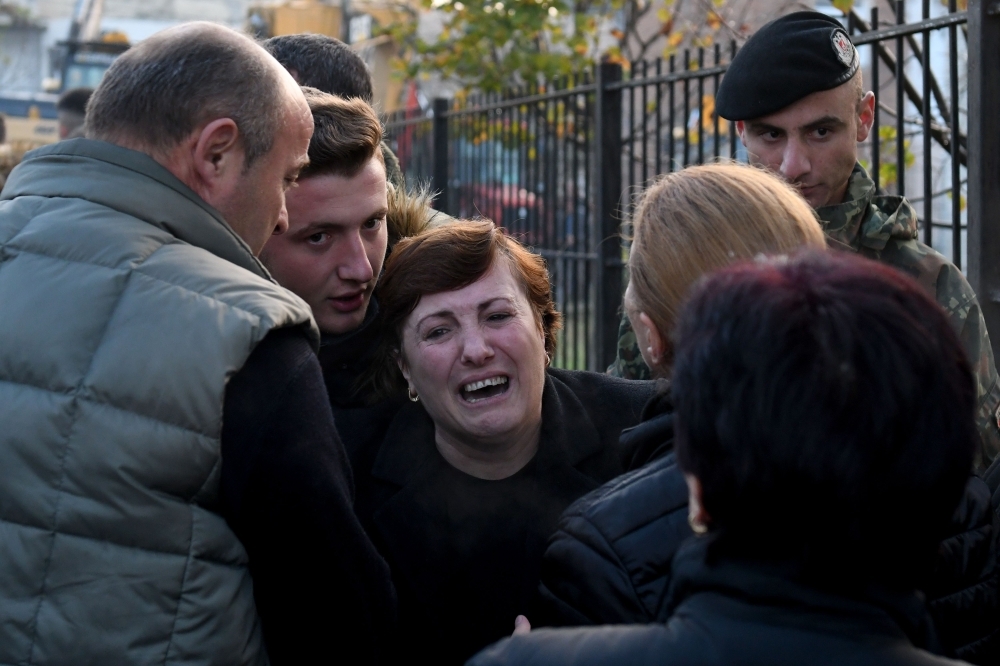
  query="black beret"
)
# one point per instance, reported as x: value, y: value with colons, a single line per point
x: 786, y: 60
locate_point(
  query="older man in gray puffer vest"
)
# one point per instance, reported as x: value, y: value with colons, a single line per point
x: 159, y: 440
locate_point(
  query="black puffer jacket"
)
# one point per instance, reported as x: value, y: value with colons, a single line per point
x: 609, y: 560
x: 725, y: 612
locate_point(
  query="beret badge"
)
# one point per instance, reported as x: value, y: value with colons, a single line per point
x: 842, y: 47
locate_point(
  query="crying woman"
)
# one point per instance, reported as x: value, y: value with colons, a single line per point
x: 474, y: 472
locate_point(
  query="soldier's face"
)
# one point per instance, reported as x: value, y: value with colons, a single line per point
x: 812, y: 144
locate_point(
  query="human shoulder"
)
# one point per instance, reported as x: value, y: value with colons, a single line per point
x: 609, y: 558
x: 935, y: 273
x: 634, y: 645
x: 605, y: 389
x: 650, y: 492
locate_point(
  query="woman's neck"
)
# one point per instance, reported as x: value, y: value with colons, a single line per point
x: 491, y: 461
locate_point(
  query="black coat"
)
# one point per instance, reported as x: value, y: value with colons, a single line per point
x: 465, y: 552
x: 733, y: 613
x: 609, y: 561
x: 360, y: 417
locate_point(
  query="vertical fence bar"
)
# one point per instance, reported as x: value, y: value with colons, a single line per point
x: 687, y: 107
x: 659, y: 119
x: 984, y: 161
x: 900, y: 105
x: 875, y: 133
x: 645, y: 126
x: 630, y: 137
x: 608, y: 118
x: 673, y: 116
x: 439, y: 179
x: 701, y: 106
x: 715, y: 96
x: 956, y: 181
x: 925, y: 12
x: 732, y: 125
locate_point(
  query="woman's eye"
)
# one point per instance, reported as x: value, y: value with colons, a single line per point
x: 436, y: 333
x: 499, y: 316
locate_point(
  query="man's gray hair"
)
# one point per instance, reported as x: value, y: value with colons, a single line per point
x: 160, y: 91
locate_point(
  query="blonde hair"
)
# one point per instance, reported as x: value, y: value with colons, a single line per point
x: 703, y: 218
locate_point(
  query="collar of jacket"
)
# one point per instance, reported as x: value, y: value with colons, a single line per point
x: 865, y: 218
x: 346, y: 356
x: 654, y: 436
x: 568, y: 435
x: 121, y: 179
x: 873, y: 609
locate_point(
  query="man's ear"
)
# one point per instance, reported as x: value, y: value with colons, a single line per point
x: 741, y: 128
x: 866, y: 115
x: 656, y: 343
x: 218, y: 153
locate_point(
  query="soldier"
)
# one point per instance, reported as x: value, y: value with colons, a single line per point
x: 796, y: 94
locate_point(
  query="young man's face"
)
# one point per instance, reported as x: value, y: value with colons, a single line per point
x: 333, y: 250
x: 812, y: 144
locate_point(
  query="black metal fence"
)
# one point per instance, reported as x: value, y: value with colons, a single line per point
x: 559, y: 165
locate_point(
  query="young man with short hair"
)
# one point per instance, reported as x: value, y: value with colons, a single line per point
x: 71, y: 111
x: 796, y: 95
x: 332, y: 255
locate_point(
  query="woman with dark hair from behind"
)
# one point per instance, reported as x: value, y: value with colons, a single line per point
x: 825, y: 427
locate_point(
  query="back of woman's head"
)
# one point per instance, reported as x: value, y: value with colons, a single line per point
x: 694, y: 221
x: 826, y: 405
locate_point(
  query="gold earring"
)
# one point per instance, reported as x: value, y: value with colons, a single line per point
x: 697, y: 526
x: 548, y: 359
x: 412, y: 395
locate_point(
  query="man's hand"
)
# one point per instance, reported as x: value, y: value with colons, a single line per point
x: 521, y: 626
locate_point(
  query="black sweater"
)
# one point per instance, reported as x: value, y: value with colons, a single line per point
x: 323, y: 592
x: 465, y: 552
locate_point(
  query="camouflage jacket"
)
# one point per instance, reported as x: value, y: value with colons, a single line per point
x: 884, y: 228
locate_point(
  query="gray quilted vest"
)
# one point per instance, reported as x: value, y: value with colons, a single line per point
x: 126, y: 303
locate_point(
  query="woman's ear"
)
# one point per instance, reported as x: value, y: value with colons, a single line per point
x: 656, y: 344
x: 698, y: 518
x: 401, y: 363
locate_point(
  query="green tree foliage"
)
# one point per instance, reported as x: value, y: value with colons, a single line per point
x: 503, y: 43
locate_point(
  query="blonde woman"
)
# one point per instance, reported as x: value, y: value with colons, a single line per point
x: 686, y: 225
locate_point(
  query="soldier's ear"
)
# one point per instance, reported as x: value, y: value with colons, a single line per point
x: 866, y: 115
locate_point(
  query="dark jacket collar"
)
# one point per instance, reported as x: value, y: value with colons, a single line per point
x: 874, y: 609
x: 346, y: 357
x: 654, y: 436
x: 568, y: 436
x: 133, y: 183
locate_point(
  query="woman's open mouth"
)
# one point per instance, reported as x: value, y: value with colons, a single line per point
x: 485, y: 389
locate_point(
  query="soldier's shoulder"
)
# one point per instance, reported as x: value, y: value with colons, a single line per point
x: 931, y: 269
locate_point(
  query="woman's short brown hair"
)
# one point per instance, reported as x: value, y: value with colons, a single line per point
x: 448, y: 258
x: 703, y: 218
